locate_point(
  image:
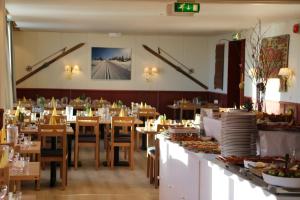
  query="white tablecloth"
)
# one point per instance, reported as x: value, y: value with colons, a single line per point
x: 212, y: 127
x: 278, y: 143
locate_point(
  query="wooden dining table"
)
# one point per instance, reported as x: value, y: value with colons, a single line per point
x: 33, y: 150
x: 149, y: 132
x: 33, y: 130
x: 31, y: 173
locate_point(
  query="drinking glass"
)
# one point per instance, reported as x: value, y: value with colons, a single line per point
x: 4, y: 153
x: 3, y: 191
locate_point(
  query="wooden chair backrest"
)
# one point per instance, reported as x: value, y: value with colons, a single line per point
x: 59, y: 131
x: 148, y: 113
x: 58, y: 118
x: 82, y: 121
x: 125, y: 123
x: 187, y: 106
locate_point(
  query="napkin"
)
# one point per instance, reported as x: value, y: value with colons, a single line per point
x: 3, y: 136
x: 90, y: 114
x: 17, y: 113
x: 122, y: 113
x: 52, y: 120
x: 4, y: 159
x: 54, y: 112
x: 53, y: 102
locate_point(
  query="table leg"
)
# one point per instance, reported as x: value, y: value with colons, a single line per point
x: 69, y: 142
x: 53, y: 164
x: 144, y: 142
x: 117, y: 161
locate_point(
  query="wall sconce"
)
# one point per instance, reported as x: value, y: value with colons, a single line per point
x: 285, y: 74
x: 70, y: 70
x: 150, y: 72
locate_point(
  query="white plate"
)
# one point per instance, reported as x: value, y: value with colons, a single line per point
x: 282, y: 181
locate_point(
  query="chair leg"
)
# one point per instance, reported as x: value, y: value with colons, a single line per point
x: 37, y: 185
x: 66, y: 173
x: 137, y: 141
x: 107, y: 155
x: 131, y: 154
x: 112, y: 149
x: 76, y: 155
x: 97, y: 152
x: 151, y: 170
x: 148, y: 165
x: 156, y: 172
x: 63, y: 175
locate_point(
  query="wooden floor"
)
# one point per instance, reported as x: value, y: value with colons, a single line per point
x: 105, y: 184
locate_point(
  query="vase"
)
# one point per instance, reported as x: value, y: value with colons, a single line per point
x: 260, y: 97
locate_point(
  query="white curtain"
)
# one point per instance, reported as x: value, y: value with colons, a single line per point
x: 6, y: 95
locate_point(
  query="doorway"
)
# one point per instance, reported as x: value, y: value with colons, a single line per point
x: 236, y: 68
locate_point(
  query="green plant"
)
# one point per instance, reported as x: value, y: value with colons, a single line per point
x: 248, y: 106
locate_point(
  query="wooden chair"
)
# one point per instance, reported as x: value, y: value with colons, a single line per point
x: 124, y: 139
x: 153, y: 164
x: 147, y: 113
x: 144, y: 114
x: 87, y: 139
x: 54, y: 154
x: 107, y: 130
x: 60, y: 119
x: 187, y: 107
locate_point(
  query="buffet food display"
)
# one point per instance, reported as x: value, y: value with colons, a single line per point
x: 202, y: 146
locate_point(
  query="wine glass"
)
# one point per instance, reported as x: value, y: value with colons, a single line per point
x: 3, y: 191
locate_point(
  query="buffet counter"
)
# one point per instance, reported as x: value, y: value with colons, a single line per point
x: 198, y: 176
x: 270, y: 142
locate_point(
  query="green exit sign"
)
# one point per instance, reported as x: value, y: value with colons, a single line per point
x: 187, y: 7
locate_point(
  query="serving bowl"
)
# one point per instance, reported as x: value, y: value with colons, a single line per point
x: 286, y: 182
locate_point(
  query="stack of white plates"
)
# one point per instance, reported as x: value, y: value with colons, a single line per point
x: 239, y: 133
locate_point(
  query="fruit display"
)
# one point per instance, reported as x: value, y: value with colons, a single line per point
x: 272, y: 119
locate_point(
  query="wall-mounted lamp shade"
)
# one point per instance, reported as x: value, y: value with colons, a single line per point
x: 146, y: 70
x: 150, y: 72
x: 75, y: 69
x: 284, y: 71
x: 154, y: 70
x: 68, y: 68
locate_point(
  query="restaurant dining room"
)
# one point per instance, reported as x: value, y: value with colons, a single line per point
x: 149, y: 99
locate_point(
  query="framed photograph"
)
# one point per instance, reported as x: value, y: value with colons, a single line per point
x: 111, y: 63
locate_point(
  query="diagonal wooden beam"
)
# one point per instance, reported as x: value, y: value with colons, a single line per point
x: 175, y: 66
x: 46, y: 64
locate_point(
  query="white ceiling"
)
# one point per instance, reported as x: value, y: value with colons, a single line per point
x: 148, y: 17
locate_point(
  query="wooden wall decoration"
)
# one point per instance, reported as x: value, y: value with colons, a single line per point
x: 219, y: 66
x: 1, y: 117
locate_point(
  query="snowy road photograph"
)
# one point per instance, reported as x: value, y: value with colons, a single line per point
x: 111, y: 63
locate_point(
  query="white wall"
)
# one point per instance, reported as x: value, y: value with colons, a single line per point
x: 31, y: 47
x: 273, y: 29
